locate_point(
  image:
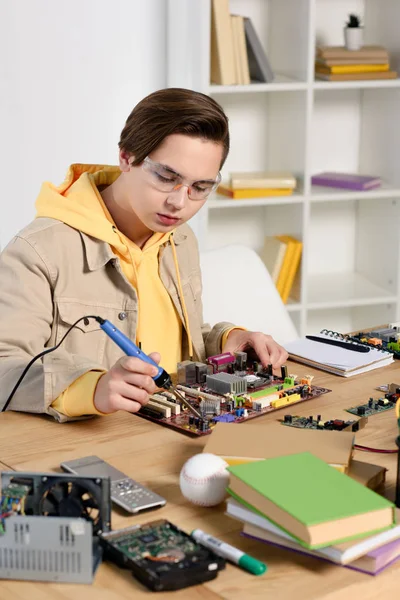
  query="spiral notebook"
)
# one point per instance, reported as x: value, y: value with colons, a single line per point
x: 336, y: 360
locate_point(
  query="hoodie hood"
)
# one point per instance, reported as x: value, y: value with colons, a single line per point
x: 78, y: 203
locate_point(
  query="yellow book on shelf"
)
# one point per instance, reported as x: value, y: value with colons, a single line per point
x: 225, y: 190
x: 287, y: 261
x: 356, y: 76
x: 293, y: 267
x: 355, y: 68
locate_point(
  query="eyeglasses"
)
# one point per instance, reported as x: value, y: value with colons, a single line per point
x: 164, y: 179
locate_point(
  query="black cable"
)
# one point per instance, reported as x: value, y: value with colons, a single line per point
x: 47, y: 351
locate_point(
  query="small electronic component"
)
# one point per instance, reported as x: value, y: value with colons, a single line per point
x: 186, y: 372
x: 12, y: 502
x: 201, y: 372
x: 220, y: 362
x: 240, y: 361
x: 210, y: 407
x: 165, y: 411
x: 285, y: 400
x: 225, y: 383
x: 174, y: 407
x: 197, y: 393
x: 161, y: 556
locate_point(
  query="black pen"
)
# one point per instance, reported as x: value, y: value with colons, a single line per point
x: 341, y: 344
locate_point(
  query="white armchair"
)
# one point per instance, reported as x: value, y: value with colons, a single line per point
x: 237, y: 287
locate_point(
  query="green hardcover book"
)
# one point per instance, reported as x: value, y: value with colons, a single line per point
x: 310, y: 500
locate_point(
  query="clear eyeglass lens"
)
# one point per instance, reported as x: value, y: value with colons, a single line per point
x: 165, y: 181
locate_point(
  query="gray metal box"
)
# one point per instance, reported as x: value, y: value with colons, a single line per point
x: 48, y: 549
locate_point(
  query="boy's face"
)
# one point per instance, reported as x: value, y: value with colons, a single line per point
x: 194, y: 159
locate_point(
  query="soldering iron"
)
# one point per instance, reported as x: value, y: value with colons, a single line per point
x: 162, y: 379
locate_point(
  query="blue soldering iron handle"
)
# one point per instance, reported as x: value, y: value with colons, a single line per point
x: 162, y: 379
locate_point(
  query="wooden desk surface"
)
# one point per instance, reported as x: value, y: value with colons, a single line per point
x: 154, y: 455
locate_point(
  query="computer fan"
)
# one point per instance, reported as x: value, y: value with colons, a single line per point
x: 71, y: 499
x: 65, y: 495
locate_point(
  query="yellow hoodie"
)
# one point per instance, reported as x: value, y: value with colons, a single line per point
x: 78, y: 203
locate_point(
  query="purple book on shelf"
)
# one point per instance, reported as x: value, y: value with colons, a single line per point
x: 348, y: 181
x: 372, y: 563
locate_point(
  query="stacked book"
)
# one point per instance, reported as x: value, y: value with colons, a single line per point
x: 347, y: 181
x: 258, y: 185
x: 281, y: 255
x: 336, y: 63
x: 237, y: 55
x: 300, y: 503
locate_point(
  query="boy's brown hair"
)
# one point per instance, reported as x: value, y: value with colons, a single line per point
x: 169, y: 111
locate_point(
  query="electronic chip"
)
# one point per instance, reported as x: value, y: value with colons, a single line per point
x: 148, y: 538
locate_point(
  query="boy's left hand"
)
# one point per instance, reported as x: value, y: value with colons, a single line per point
x: 268, y: 351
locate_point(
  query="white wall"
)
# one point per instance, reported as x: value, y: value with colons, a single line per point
x: 70, y: 73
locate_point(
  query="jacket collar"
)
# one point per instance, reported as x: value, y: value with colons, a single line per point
x: 99, y: 253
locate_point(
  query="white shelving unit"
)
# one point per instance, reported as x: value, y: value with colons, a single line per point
x: 350, y: 275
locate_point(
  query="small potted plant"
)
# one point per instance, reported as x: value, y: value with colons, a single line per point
x: 353, y: 33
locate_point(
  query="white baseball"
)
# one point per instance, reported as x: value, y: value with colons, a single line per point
x: 204, y: 479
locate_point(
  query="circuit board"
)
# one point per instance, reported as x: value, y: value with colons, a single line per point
x: 386, y: 339
x: 265, y: 393
x: 161, y: 556
x: 328, y: 424
x: 372, y: 407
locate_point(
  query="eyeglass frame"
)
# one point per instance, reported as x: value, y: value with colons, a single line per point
x: 183, y: 181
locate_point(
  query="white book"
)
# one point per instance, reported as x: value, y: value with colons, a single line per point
x: 273, y: 255
x: 246, y: 180
x: 339, y: 553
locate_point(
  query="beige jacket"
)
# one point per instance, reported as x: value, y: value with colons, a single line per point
x: 50, y: 276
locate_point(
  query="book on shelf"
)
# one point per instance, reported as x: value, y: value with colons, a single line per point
x: 289, y: 266
x: 240, y: 50
x: 236, y: 49
x: 273, y: 254
x: 259, y: 66
x: 348, y: 181
x: 372, y: 563
x: 342, y: 53
x: 222, y: 68
x: 286, y: 286
x: 329, y: 62
x: 281, y: 255
x: 342, y: 554
x: 314, y: 503
x: 262, y: 179
x: 335, y: 359
x: 250, y: 442
x: 237, y: 55
x: 242, y: 194
x: 356, y: 76
x: 353, y: 68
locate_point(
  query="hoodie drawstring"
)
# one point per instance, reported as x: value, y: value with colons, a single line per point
x: 182, y: 298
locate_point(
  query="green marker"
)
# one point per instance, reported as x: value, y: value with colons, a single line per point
x: 230, y: 553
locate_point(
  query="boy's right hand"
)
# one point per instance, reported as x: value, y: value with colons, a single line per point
x: 127, y: 385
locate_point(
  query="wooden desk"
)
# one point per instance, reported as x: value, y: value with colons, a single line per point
x: 154, y: 456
